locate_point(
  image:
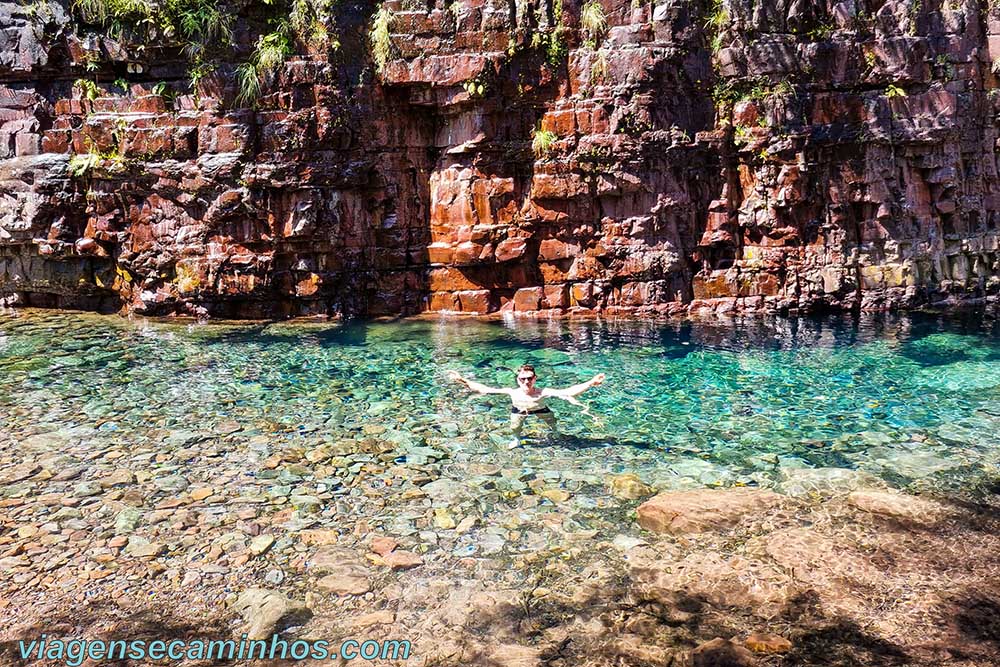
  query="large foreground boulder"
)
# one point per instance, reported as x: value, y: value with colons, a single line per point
x: 702, y: 510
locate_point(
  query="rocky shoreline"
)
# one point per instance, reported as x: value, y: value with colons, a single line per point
x: 508, y: 569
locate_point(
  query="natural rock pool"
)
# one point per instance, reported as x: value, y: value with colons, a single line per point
x: 914, y: 400
x: 156, y: 477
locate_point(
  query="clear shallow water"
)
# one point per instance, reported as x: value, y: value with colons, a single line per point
x: 913, y: 400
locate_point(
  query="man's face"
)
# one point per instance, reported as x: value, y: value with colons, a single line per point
x: 526, y: 380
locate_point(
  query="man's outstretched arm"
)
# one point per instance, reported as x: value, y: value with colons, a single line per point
x: 577, y: 389
x: 475, y: 386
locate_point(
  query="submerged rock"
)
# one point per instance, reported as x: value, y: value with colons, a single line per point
x: 381, y: 545
x: 118, y: 478
x: 141, y: 547
x: 172, y: 483
x: 344, y: 583
x: 628, y: 487
x: 897, y: 506
x: 402, y: 560
x: 260, y: 544
x: 329, y: 559
x: 824, y: 481
x: 910, y: 463
x: 87, y: 489
x: 514, y: 655
x: 721, y: 653
x: 679, y: 512
x: 19, y: 472
x: 306, y: 504
x: 127, y: 520
x: 556, y: 495
x: 267, y: 612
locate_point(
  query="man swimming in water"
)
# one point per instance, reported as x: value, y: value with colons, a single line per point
x: 527, y: 399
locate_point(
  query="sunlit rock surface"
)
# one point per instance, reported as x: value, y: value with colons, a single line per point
x: 805, y: 155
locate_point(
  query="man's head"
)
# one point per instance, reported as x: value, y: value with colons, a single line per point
x: 525, y: 376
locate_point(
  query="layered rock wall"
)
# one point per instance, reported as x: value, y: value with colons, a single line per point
x: 740, y: 156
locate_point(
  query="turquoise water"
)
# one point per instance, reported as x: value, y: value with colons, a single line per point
x: 914, y: 401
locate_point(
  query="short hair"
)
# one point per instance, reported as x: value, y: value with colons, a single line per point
x: 526, y: 367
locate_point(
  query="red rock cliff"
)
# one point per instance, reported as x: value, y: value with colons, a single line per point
x: 788, y: 155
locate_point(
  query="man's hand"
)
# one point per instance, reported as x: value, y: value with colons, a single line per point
x: 474, y: 386
x: 575, y: 390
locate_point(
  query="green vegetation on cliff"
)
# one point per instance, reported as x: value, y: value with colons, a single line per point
x: 380, y: 40
x: 204, y: 31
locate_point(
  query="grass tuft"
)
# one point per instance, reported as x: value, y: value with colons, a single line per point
x: 248, y: 83
x: 593, y: 20
x: 542, y: 141
x: 599, y: 68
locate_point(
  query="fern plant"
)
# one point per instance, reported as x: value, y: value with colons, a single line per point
x: 82, y: 164
x: 542, y: 141
x: 894, y: 91
x: 718, y: 17
x: 272, y: 49
x: 162, y: 89
x: 88, y: 89
x: 198, y: 72
x: 380, y: 39
x: 309, y: 19
x: 742, y: 135
x: 871, y: 61
x: 716, y: 24
x: 91, y: 61
x: 104, y: 11
x: 271, y: 52
x: 204, y: 30
x: 201, y: 21
x: 556, y: 48
x: 199, y: 26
